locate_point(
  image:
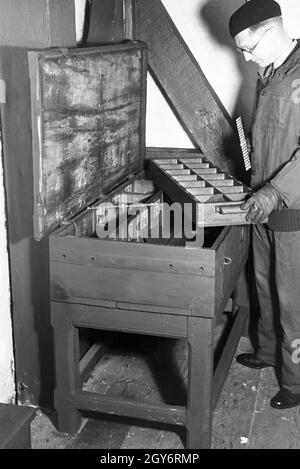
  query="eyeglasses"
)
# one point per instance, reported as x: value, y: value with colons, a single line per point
x: 251, y: 50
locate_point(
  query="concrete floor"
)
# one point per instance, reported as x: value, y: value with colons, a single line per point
x: 242, y: 418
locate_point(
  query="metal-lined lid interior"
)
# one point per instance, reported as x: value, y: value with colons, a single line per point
x: 88, y: 126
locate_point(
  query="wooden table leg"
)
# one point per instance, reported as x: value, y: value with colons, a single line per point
x: 67, y: 371
x: 200, y: 377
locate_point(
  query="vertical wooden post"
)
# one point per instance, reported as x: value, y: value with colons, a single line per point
x: 200, y: 378
x: 67, y: 369
x: 23, y: 25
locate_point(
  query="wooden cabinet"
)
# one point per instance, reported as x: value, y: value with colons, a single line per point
x: 90, y: 161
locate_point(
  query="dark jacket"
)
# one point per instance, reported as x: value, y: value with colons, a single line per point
x: 276, y: 133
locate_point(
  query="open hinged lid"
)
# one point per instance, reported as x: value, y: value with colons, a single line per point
x: 88, y: 124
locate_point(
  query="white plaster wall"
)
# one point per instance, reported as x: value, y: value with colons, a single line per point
x: 291, y: 15
x: 7, y: 381
x: 216, y: 58
x: 203, y: 25
x: 79, y: 18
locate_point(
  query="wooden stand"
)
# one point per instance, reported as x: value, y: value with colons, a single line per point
x: 15, y: 426
x: 175, y: 291
x: 204, y: 385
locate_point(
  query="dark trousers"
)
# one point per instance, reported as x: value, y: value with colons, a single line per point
x: 277, y: 274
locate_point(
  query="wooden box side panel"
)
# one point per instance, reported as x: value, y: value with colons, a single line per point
x: 123, y: 273
x: 231, y: 255
x: 195, y: 260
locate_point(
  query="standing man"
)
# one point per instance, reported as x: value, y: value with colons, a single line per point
x: 259, y: 35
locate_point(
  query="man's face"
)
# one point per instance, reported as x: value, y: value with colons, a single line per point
x: 256, y: 46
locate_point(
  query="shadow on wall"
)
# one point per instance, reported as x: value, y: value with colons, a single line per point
x: 216, y: 14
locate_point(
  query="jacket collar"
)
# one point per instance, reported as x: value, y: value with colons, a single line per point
x: 285, y: 55
x: 292, y: 60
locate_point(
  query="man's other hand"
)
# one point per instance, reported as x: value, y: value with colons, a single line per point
x: 261, y: 204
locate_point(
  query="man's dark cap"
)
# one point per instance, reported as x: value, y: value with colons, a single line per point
x: 252, y: 13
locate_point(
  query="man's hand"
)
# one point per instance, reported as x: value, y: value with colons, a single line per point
x: 261, y: 204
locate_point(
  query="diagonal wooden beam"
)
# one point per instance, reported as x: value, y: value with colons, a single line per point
x: 184, y: 85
